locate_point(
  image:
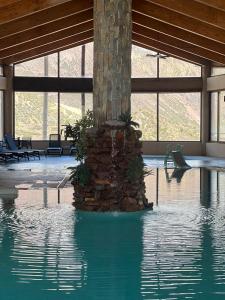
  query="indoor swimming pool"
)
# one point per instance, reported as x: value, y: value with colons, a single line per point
x: 177, y: 251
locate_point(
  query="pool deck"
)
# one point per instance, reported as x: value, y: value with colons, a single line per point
x: 50, y: 171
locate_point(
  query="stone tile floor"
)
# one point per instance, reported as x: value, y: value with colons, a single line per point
x: 46, y: 172
x: 194, y: 161
x: 49, y: 172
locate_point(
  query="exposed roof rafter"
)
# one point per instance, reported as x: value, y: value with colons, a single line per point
x: 219, y: 4
x: 66, y: 47
x: 44, y: 40
x: 195, y: 10
x: 49, y: 48
x: 7, y: 2
x: 174, y: 42
x: 194, y: 32
x: 43, y: 17
x: 18, y: 9
x: 46, y: 29
x: 179, y: 20
x: 178, y: 33
x: 167, y: 49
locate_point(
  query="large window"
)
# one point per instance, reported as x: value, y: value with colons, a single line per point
x: 74, y: 106
x: 46, y: 66
x: 70, y: 108
x: 143, y: 62
x: 179, y: 116
x: 74, y: 62
x: 162, y: 117
x: 144, y: 111
x: 37, y: 114
x: 89, y: 60
x: 70, y: 62
x: 78, y: 61
x: 217, y: 132
x: 173, y: 67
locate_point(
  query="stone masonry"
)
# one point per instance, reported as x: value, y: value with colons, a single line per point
x: 110, y: 150
x: 112, y: 145
x: 112, y: 59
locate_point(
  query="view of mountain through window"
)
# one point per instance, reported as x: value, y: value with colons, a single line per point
x: 163, y: 117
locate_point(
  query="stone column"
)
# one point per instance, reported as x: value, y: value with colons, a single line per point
x: 112, y: 59
x: 8, y: 100
x: 113, y: 165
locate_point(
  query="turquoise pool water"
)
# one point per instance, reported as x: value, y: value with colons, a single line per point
x: 177, y: 251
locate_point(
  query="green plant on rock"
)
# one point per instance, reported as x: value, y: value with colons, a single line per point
x: 67, y: 131
x: 137, y: 170
x: 127, y: 119
x: 78, y: 134
x: 80, y: 175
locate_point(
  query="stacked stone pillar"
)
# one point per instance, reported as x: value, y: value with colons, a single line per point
x: 112, y: 59
x: 114, y: 157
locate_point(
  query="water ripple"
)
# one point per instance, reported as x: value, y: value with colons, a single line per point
x: 176, y: 251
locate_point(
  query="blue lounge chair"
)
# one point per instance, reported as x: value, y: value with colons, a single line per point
x: 6, y: 155
x: 26, y: 153
x: 54, y: 147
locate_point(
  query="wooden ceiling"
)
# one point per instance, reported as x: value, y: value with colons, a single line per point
x: 192, y: 30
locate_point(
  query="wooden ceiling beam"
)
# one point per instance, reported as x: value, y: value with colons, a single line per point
x: 179, y: 20
x: 46, y: 29
x: 46, y: 49
x: 80, y: 43
x: 172, y: 51
x: 88, y: 35
x: 22, y: 8
x: 219, y: 4
x: 195, y: 10
x: 179, y: 33
x: 56, y: 36
x: 7, y: 2
x: 44, y: 17
x: 52, y: 51
x: 163, y: 52
x: 187, y: 47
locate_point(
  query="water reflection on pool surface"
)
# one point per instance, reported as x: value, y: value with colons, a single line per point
x: 177, y: 251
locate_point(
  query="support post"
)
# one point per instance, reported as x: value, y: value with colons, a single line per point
x: 112, y: 59
x: 8, y: 100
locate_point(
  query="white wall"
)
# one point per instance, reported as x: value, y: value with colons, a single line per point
x: 216, y: 83
x: 3, y: 83
x: 215, y: 149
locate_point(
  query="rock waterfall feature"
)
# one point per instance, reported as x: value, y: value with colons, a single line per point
x: 113, y: 163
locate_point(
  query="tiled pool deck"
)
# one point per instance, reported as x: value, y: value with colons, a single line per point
x: 50, y: 171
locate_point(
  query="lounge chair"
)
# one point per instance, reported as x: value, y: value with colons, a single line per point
x: 6, y: 155
x: 26, y: 143
x: 54, y: 147
x: 26, y: 153
x: 73, y: 150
